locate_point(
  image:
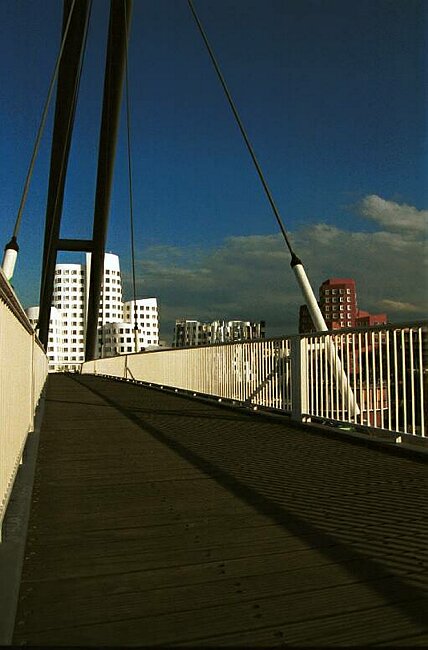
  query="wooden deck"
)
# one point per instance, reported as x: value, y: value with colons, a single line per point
x: 162, y: 520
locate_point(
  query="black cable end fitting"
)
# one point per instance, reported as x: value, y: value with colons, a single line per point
x: 12, y: 245
x: 295, y: 260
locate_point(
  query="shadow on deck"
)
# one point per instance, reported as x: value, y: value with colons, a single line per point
x: 162, y: 520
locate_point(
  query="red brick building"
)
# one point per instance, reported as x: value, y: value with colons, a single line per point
x: 338, y: 304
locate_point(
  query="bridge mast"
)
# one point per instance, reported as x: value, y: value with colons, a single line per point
x: 113, y: 83
x: 67, y: 91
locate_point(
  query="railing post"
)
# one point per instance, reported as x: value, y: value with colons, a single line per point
x: 299, y: 379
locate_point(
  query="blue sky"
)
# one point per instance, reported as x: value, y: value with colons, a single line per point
x: 332, y: 93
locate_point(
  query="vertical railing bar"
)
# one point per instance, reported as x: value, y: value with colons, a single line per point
x: 316, y: 377
x: 396, y: 379
x: 265, y: 359
x: 380, y: 339
x: 403, y: 378
x: 275, y: 369
x: 338, y: 348
x: 388, y: 379
x: 311, y: 377
x: 345, y: 403
x: 282, y: 380
x: 354, y: 373
x: 412, y: 381
x: 346, y: 408
x: 257, y: 382
x: 262, y: 360
x: 367, y: 366
x: 322, y: 380
x: 264, y: 373
x: 253, y: 372
x: 331, y: 374
x: 366, y: 350
x: 289, y: 379
x: 374, y: 378
x: 325, y: 369
x: 421, y: 381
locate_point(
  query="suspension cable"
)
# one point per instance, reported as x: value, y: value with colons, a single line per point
x: 130, y: 185
x: 42, y: 126
x: 243, y: 131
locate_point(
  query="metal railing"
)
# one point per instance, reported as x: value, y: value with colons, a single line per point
x: 23, y: 372
x: 372, y: 378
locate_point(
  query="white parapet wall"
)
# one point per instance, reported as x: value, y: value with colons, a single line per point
x: 23, y: 372
x: 256, y: 373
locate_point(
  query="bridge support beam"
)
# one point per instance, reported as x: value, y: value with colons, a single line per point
x: 68, y: 82
x: 115, y: 66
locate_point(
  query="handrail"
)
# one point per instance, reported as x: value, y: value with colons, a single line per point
x: 382, y: 383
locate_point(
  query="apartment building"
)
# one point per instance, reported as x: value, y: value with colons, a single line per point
x: 123, y: 337
x: 339, y: 307
x: 67, y: 327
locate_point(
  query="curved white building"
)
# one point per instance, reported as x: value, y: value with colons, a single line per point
x: 67, y: 327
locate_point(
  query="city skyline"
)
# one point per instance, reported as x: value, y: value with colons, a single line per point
x: 333, y: 98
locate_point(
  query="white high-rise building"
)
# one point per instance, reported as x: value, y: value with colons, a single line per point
x: 119, y: 338
x: 67, y: 325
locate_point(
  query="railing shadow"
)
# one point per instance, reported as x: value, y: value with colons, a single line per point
x: 311, y: 486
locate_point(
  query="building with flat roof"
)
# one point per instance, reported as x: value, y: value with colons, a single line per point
x: 339, y: 307
x: 191, y: 333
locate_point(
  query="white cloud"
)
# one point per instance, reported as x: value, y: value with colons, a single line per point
x: 251, y: 278
x: 393, y: 216
x: 398, y: 306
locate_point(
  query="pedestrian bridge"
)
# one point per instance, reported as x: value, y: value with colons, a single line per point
x: 158, y: 519
x: 158, y: 515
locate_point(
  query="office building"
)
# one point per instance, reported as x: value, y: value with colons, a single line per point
x: 339, y: 307
x: 192, y: 333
